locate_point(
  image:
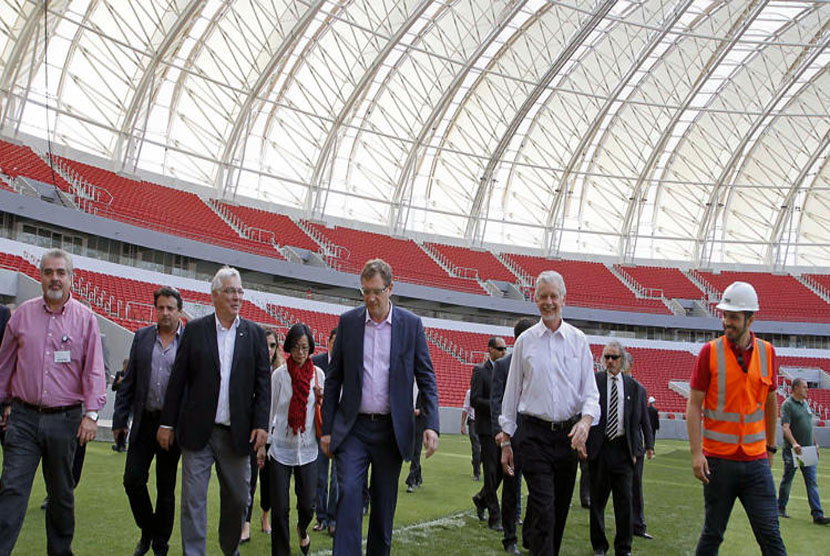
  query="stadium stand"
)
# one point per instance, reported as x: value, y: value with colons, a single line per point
x: 584, y: 279
x: 140, y: 203
x: 471, y: 262
x: 258, y: 223
x: 672, y: 282
x: 411, y: 263
x: 784, y: 297
x: 19, y: 160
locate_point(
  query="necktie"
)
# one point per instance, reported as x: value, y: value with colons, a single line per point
x: 611, y: 425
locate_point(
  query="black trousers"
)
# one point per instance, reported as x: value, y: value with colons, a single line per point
x: 265, y: 485
x: 638, y: 514
x: 415, y: 478
x: 611, y: 471
x: 511, y: 494
x: 549, y: 466
x: 491, y: 464
x: 584, y: 484
x: 305, y: 487
x: 475, y: 446
x: 155, y: 525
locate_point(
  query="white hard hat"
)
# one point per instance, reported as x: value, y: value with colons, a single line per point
x: 739, y: 296
x: 651, y: 399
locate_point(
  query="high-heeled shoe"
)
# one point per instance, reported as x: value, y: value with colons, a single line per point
x: 266, y: 524
x: 303, y: 535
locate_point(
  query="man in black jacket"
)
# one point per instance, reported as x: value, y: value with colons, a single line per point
x: 141, y: 395
x: 480, y: 387
x: 327, y: 490
x: 511, y: 490
x: 612, y: 449
x: 216, y: 407
x: 637, y: 505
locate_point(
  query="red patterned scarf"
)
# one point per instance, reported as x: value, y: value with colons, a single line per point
x: 300, y: 386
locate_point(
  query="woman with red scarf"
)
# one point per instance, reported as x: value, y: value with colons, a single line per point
x: 295, y: 389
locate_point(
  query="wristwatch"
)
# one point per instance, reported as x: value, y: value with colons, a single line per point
x: 93, y: 415
x: 772, y: 449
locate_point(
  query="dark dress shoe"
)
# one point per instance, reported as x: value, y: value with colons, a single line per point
x: 142, y: 547
x: 512, y: 549
x: 643, y: 534
x: 783, y: 513
x: 821, y: 520
x: 410, y: 489
x: 479, y: 508
x: 495, y: 526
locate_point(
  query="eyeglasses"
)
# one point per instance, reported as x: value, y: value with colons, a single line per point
x: 365, y: 292
x: 502, y: 348
x: 609, y: 356
x: 230, y: 291
x: 300, y: 348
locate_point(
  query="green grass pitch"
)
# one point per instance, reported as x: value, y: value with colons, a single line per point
x: 438, y: 519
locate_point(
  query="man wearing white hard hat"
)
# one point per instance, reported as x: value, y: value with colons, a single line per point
x: 733, y: 394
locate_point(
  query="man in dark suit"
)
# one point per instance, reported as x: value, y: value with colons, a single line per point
x: 141, y: 395
x: 216, y: 407
x: 327, y: 488
x: 511, y: 490
x: 481, y: 384
x: 612, y: 449
x: 641, y: 448
x: 367, y: 408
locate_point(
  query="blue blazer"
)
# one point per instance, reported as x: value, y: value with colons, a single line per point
x: 409, y: 361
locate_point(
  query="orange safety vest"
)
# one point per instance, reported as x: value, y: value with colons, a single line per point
x: 734, y: 409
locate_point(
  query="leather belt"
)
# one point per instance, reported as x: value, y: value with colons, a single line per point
x: 555, y: 426
x: 375, y: 416
x: 46, y: 410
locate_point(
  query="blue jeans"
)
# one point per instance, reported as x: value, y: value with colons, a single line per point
x: 809, y: 474
x: 751, y: 482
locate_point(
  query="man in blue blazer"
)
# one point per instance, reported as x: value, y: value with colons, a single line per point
x: 216, y: 408
x: 367, y: 408
x: 141, y: 395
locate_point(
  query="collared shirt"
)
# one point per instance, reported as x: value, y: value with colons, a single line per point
x: 288, y: 448
x: 551, y: 377
x: 620, y: 400
x: 470, y: 410
x: 800, y: 418
x: 377, y: 344
x: 226, y: 342
x: 160, y: 365
x: 53, y: 359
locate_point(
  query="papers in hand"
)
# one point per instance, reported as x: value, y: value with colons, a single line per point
x: 808, y: 456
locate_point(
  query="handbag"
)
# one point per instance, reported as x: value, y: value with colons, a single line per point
x: 318, y: 410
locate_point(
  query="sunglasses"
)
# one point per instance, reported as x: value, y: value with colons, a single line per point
x: 501, y: 348
x: 609, y: 356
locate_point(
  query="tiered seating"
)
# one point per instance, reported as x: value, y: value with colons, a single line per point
x: 673, y: 282
x: 484, y: 263
x: 173, y: 211
x: 822, y: 280
x: 17, y: 160
x: 320, y: 323
x: 782, y: 298
x: 5, y: 187
x: 589, y: 284
x: 285, y: 231
x: 452, y: 377
x: 409, y: 262
x: 19, y: 264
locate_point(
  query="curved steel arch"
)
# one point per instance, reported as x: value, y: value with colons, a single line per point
x: 737, y: 159
x: 347, y: 111
x: 278, y: 58
x: 150, y: 80
x: 737, y: 30
x: 588, y: 137
x: 777, y: 232
x: 415, y: 155
x: 474, y: 227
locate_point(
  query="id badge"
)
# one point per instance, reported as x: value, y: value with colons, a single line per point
x: 62, y: 356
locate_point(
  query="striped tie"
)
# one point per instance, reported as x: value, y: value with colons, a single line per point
x: 611, y: 425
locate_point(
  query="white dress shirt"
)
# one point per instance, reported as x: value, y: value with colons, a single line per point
x: 288, y: 448
x: 377, y: 345
x: 620, y: 400
x: 551, y: 377
x: 471, y: 412
x: 226, y: 342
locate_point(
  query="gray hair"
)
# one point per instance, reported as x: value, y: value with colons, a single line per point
x: 57, y: 254
x: 553, y: 278
x: 224, y: 273
x: 619, y: 347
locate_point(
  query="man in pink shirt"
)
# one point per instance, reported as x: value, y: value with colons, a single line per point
x: 52, y: 371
